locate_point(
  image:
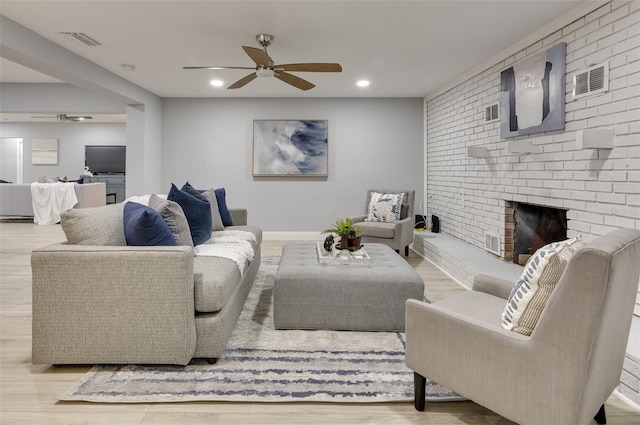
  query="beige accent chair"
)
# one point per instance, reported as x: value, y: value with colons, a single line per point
x: 561, y: 374
x: 397, y: 235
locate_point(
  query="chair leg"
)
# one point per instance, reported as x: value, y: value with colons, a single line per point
x: 601, y: 417
x: 406, y: 251
x: 419, y: 387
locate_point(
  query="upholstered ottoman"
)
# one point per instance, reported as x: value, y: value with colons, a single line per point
x: 362, y: 295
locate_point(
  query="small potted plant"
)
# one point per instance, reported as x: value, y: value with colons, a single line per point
x: 349, y: 235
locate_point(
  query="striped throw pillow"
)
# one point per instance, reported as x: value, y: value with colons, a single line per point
x: 538, y: 279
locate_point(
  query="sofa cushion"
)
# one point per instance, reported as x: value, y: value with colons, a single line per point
x: 94, y: 226
x: 216, y: 219
x: 173, y: 215
x: 539, y: 277
x: 197, y: 211
x: 216, y: 278
x: 144, y: 226
x: 385, y: 207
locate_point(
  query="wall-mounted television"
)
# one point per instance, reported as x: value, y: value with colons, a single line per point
x: 105, y: 159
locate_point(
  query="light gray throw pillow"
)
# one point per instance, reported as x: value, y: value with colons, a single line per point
x: 173, y: 215
x: 94, y: 226
x: 215, y: 212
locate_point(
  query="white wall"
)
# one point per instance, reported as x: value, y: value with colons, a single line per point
x: 72, y: 137
x: 372, y: 143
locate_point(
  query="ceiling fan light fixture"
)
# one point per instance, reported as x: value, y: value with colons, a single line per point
x: 265, y: 72
x: 216, y: 83
x: 363, y: 83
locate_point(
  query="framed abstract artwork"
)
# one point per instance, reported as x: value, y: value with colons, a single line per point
x: 44, y: 151
x: 532, y: 94
x: 290, y: 148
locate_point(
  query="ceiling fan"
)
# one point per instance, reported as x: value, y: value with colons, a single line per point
x: 265, y: 67
x: 65, y: 117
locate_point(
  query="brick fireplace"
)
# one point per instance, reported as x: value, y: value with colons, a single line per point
x: 529, y: 227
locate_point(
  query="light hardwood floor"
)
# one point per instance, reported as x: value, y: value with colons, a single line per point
x: 28, y: 392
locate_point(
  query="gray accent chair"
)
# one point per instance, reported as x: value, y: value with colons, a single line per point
x: 565, y: 370
x: 396, y: 235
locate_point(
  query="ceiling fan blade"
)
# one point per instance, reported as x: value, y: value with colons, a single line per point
x: 218, y: 67
x: 310, y: 67
x: 294, y: 81
x: 258, y: 56
x: 243, y: 81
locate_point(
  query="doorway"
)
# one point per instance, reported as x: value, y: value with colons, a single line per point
x: 11, y: 159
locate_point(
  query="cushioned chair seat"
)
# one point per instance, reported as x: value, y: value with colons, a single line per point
x: 484, y: 307
x: 377, y: 230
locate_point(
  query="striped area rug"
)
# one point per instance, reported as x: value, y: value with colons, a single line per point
x: 262, y: 364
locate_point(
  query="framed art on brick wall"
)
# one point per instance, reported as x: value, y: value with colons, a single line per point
x: 532, y: 94
x: 290, y: 148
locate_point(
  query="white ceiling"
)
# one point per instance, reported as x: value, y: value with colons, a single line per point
x: 405, y: 48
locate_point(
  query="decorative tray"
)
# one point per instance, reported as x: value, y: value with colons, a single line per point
x: 342, y: 256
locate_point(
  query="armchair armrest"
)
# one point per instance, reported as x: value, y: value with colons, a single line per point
x: 406, y: 230
x: 492, y: 285
x: 358, y: 218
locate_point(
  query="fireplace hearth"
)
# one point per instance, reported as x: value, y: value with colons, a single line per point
x: 529, y: 227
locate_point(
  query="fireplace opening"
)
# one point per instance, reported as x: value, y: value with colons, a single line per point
x: 531, y: 227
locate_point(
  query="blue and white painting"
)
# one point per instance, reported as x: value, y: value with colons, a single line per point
x: 290, y: 148
x: 532, y: 94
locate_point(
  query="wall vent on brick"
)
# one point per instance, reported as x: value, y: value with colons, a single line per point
x: 492, y: 113
x: 492, y: 243
x: 593, y: 80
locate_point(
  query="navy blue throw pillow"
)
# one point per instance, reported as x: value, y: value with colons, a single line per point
x: 222, y: 206
x: 194, y: 192
x: 143, y: 226
x: 197, y: 211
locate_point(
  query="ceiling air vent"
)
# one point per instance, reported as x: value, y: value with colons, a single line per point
x: 82, y: 37
x: 492, y: 113
x: 592, y: 80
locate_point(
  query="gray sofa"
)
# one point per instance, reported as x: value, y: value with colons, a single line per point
x: 118, y: 304
x: 15, y: 199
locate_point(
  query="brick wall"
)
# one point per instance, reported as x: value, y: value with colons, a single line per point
x: 599, y: 188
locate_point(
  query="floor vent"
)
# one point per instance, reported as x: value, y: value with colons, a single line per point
x: 592, y: 80
x: 492, y: 243
x: 492, y: 113
x: 83, y: 38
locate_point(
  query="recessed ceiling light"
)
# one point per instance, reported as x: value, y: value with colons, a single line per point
x: 216, y: 83
x: 128, y: 67
x: 363, y: 83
